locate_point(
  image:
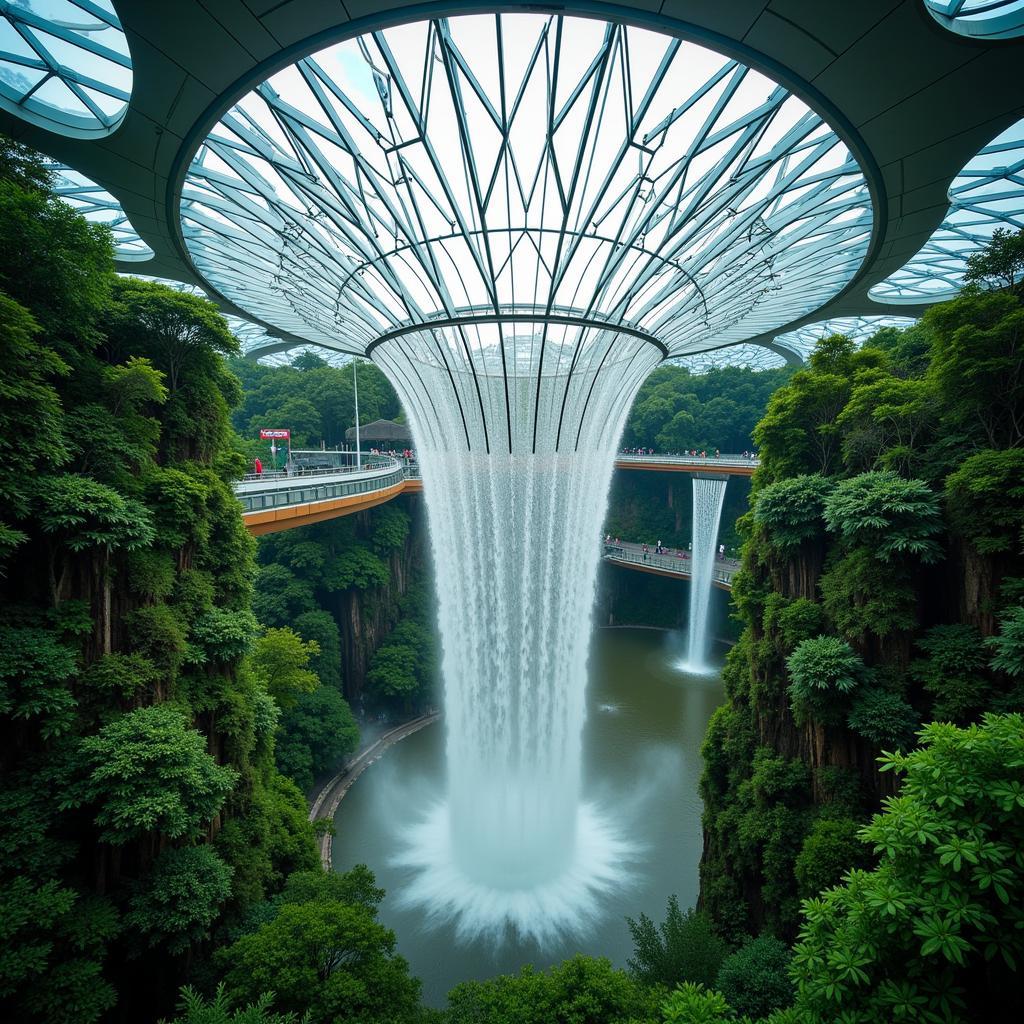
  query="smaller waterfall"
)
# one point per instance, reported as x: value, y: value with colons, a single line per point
x: 708, y: 496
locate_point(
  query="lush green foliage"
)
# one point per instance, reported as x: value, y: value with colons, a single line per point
x: 824, y: 672
x: 315, y: 401
x: 676, y: 410
x: 324, y: 951
x: 937, y: 926
x: 147, y: 771
x: 684, y: 947
x: 174, y: 907
x: 887, y: 514
x: 879, y: 589
x: 832, y: 848
x: 317, y: 734
x: 791, y: 510
x: 582, y: 990
x: 755, y: 979
x: 195, y: 1009
x: 692, y: 1003
x: 142, y: 807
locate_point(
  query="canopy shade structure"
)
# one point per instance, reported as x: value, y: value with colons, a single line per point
x: 982, y: 19
x: 306, y: 77
x: 754, y: 357
x: 987, y: 194
x: 64, y: 64
x: 94, y: 203
x: 399, y: 181
x: 381, y: 430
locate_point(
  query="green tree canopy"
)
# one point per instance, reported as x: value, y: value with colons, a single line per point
x: 329, y: 957
x: 148, y: 771
x: 582, y: 990
x: 824, y: 671
x: 174, y: 906
x: 684, y: 947
x: 792, y: 510
x: 280, y: 661
x: 887, y: 514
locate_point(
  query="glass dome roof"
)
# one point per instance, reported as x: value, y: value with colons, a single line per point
x: 987, y: 194
x: 527, y: 167
x: 982, y: 19
x: 64, y: 64
x: 99, y: 206
x: 801, y: 341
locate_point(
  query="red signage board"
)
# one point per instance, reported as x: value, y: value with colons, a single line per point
x: 276, y: 434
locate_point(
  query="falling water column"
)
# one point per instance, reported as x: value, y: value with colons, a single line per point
x: 708, y: 496
x: 515, y: 431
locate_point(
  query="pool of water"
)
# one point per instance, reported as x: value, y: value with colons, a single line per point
x: 645, y: 724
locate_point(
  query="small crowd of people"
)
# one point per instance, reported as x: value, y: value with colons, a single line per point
x: 661, y: 549
x: 693, y: 453
x: 406, y: 454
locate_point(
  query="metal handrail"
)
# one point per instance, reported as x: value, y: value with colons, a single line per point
x: 690, y: 460
x: 723, y: 572
x: 371, y: 462
x: 306, y: 492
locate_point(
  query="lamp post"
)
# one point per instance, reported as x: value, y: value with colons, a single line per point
x: 355, y: 388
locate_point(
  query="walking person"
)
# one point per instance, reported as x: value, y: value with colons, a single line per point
x: 258, y: 466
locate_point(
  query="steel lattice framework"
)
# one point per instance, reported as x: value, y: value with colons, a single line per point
x: 753, y: 357
x: 254, y: 340
x: 100, y: 207
x: 522, y: 167
x: 985, y: 19
x: 801, y: 342
x: 987, y: 194
x: 64, y: 64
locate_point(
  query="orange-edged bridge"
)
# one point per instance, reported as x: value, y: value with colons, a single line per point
x: 278, y: 501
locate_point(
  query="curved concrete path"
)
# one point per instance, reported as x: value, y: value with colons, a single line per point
x: 325, y: 803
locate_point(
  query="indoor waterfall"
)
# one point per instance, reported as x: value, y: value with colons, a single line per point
x: 516, y: 441
x: 708, y: 496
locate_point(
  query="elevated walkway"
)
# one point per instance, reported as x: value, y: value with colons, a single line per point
x: 728, y: 465
x: 675, y: 565
x: 271, y: 503
x: 277, y: 501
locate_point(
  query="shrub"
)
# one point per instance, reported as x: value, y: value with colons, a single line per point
x: 684, y: 947
x: 888, y: 515
x: 174, y: 906
x: 831, y: 848
x: 952, y: 671
x: 800, y: 620
x: 755, y: 980
x: 693, y: 1004
x: 937, y: 924
x: 791, y: 510
x: 883, y: 718
x: 823, y: 671
x: 1009, y: 644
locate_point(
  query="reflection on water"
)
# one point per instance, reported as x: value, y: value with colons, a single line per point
x: 641, y: 764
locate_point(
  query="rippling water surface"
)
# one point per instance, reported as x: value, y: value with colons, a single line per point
x: 645, y: 724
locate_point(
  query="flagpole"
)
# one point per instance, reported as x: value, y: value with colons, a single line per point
x: 355, y: 388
